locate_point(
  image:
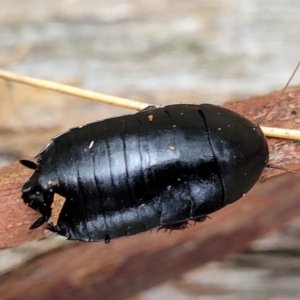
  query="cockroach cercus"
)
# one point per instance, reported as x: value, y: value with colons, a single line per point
x: 160, y: 167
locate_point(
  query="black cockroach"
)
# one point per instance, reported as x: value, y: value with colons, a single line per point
x: 160, y: 167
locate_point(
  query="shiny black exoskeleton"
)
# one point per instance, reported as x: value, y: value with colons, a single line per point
x: 157, y: 168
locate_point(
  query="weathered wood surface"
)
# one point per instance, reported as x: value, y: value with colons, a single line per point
x: 285, y: 115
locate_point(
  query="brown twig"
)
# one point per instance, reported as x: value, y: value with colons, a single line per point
x: 15, y: 217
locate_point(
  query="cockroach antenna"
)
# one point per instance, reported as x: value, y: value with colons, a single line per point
x: 280, y: 95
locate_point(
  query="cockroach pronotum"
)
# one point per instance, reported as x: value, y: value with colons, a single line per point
x: 160, y: 167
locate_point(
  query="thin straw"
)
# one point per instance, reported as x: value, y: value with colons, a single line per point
x: 73, y: 91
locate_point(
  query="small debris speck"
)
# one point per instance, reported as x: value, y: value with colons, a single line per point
x: 52, y: 183
x: 91, y: 144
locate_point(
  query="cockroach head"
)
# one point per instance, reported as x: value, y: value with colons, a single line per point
x: 36, y: 197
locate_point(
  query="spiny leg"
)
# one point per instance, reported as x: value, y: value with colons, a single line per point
x: 176, y: 226
x: 201, y: 218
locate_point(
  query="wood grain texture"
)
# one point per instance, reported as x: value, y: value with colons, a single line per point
x: 285, y: 115
x: 15, y: 217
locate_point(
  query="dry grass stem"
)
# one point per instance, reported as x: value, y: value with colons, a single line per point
x: 73, y: 91
x: 291, y: 134
x: 117, y: 101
